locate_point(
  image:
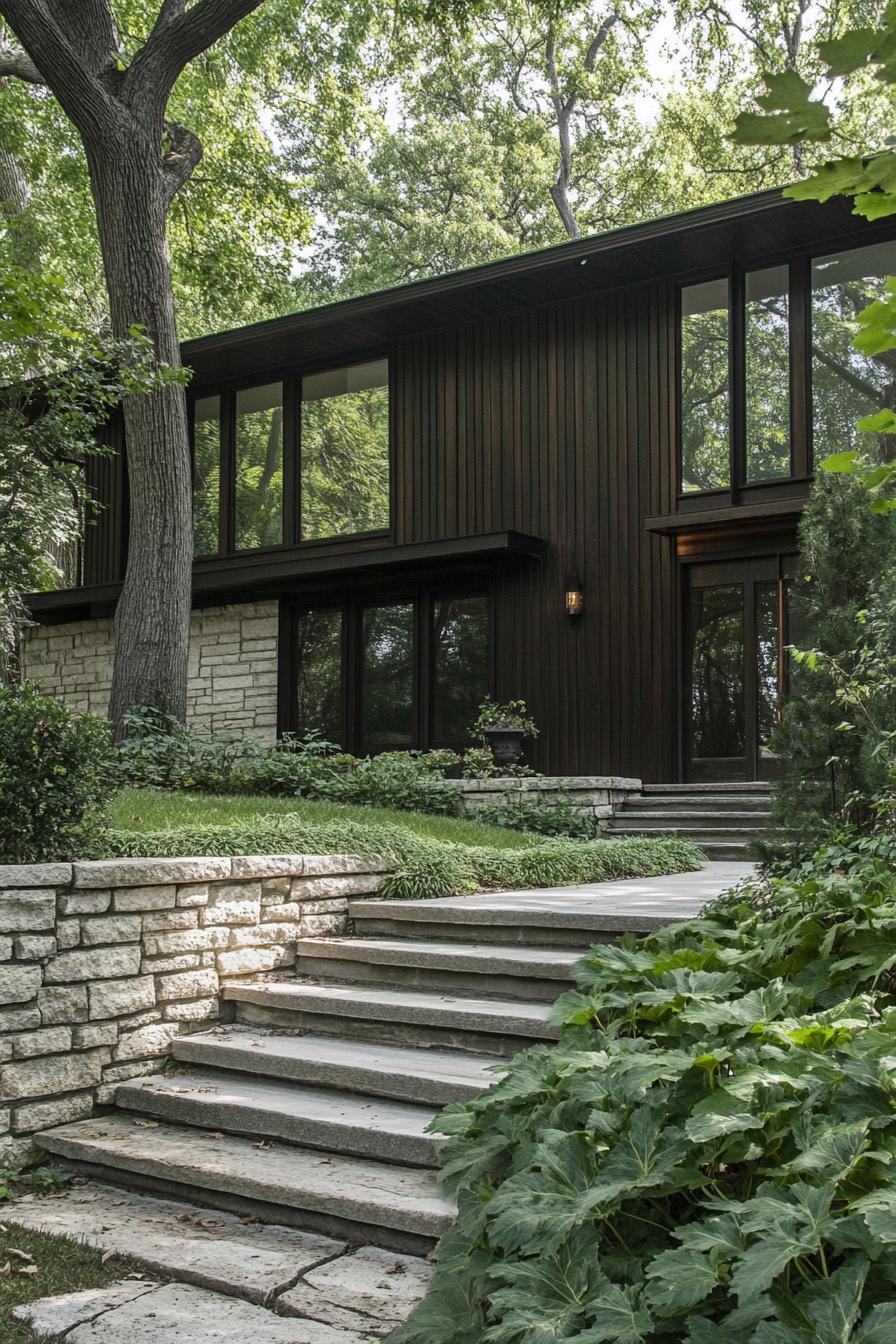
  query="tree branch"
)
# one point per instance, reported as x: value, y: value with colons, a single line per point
x: 183, y: 154
x: 19, y: 65
x: 81, y: 96
x: 178, y: 36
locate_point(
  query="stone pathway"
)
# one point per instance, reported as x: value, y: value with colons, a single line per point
x: 233, y: 1279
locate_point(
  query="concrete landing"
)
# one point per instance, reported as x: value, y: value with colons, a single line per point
x: 656, y: 901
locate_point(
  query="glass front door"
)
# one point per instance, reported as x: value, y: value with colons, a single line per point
x: 734, y: 668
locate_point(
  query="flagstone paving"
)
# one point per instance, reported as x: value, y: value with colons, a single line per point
x: 302, y: 1288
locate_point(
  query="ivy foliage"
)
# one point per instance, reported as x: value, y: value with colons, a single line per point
x: 707, y: 1155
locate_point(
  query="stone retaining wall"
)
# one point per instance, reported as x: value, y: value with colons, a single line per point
x: 102, y: 964
x: 598, y: 795
x: 232, y: 679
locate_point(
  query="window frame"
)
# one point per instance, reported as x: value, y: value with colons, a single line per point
x: 291, y: 516
x: 739, y: 489
x: 422, y: 594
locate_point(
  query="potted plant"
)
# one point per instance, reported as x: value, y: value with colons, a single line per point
x: 504, y: 728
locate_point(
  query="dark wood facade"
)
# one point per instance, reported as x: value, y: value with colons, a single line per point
x: 534, y: 427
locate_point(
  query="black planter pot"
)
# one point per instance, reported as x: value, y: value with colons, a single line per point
x: 506, y: 744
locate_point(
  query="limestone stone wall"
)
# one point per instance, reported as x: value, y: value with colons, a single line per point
x: 232, y: 684
x: 102, y: 964
x: 598, y: 795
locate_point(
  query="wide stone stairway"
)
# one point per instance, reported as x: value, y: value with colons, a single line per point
x: 723, y: 819
x: 310, y: 1107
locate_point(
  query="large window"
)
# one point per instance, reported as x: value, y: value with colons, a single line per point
x: 258, y: 460
x: 770, y: 380
x: 318, y: 664
x: 705, y: 393
x: 846, y: 384
x: 387, y: 677
x: 345, y: 451
x: 391, y: 674
x: 305, y: 459
x: 206, y: 474
x: 767, y: 373
x: 460, y: 665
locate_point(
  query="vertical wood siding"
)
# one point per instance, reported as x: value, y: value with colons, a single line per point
x: 559, y: 422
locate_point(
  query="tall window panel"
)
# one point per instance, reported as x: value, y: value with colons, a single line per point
x: 767, y: 355
x: 206, y: 474
x: 846, y: 384
x: 460, y: 666
x: 345, y: 451
x: 258, y: 485
x: 705, y: 391
x: 318, y: 662
x: 387, y: 677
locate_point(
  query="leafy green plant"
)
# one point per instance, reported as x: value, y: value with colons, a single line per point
x: 706, y: 1155
x: 520, y: 810
x: 838, y: 723
x: 511, y: 714
x: 478, y: 763
x: 56, y: 768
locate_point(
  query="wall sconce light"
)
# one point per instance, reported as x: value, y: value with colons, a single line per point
x: 575, y: 598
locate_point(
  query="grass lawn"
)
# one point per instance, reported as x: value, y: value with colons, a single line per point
x: 63, y: 1266
x: 160, y: 810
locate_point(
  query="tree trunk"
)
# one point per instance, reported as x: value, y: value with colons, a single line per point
x: 152, y: 620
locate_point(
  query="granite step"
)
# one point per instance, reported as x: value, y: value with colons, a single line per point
x: 564, y: 923
x: 401, y: 1207
x: 492, y: 970
x: 393, y: 1016
x: 658, y: 819
x: 718, y: 802
x: 313, y: 1117
x: 430, y: 1077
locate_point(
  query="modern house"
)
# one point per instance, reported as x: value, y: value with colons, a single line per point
x: 396, y: 495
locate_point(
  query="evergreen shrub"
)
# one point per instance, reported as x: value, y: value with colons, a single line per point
x: 56, y: 769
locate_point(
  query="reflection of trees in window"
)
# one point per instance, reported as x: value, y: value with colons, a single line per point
x: 387, y: 676
x: 846, y: 384
x: 318, y: 661
x: 717, y: 672
x: 345, y: 450
x: 767, y: 353
x: 206, y: 474
x: 259, y: 467
x: 460, y: 666
x: 705, y: 394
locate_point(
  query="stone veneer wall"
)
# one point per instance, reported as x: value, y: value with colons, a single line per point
x: 102, y: 964
x: 598, y: 795
x: 232, y: 684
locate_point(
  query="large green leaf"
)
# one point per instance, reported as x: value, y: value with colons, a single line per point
x: 680, y: 1279
x: 718, y: 1114
x: 617, y: 1316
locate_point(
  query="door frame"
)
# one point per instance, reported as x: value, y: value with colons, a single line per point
x: 749, y: 569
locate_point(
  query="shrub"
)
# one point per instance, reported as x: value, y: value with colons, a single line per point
x: 55, y: 772
x: 523, y: 811
x: 840, y: 716
x: 705, y: 1157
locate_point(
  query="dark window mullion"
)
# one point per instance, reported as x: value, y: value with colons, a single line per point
x: 351, y: 673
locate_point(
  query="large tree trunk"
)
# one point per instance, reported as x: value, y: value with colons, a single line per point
x: 152, y: 620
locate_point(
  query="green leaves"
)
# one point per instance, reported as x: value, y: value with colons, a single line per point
x: 708, y: 1154
x: 789, y: 114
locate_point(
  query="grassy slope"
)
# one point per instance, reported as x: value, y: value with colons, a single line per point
x: 63, y: 1266
x: 158, y: 810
